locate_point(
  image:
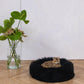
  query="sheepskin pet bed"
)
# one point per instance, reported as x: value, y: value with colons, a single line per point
x: 63, y: 73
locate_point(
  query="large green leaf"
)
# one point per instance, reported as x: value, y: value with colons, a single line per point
x: 15, y: 14
x: 15, y: 36
x: 7, y: 25
x: 1, y: 29
x: 12, y: 20
x: 2, y: 37
x: 23, y: 15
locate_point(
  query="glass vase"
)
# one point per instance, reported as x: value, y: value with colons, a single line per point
x: 13, y: 61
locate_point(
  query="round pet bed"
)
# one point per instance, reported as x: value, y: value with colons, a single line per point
x: 63, y: 73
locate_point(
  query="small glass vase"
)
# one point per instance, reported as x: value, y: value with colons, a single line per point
x: 13, y: 61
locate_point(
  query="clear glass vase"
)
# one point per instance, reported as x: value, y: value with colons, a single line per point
x: 13, y: 61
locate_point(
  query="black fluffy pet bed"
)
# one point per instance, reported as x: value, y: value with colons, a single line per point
x: 63, y: 73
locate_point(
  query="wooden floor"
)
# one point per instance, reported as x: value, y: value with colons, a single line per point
x: 22, y: 76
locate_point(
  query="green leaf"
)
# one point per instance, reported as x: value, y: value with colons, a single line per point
x: 1, y: 29
x: 26, y: 21
x: 23, y: 15
x: 15, y: 36
x: 15, y: 14
x: 2, y: 37
x: 7, y: 25
x: 12, y: 20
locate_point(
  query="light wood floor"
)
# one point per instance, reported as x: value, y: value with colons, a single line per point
x: 22, y: 76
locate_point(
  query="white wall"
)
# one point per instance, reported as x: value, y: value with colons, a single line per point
x: 56, y: 28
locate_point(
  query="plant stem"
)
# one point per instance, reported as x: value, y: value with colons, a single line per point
x: 18, y: 24
x: 9, y: 42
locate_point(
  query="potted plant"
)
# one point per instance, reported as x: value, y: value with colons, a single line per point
x: 14, y: 36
